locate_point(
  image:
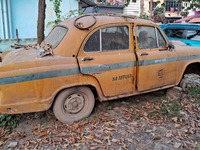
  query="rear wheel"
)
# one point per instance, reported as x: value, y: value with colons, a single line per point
x: 74, y: 104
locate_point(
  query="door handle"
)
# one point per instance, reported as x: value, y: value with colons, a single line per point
x: 87, y: 59
x: 143, y: 54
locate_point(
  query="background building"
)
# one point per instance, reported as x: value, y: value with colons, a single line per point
x: 172, y: 8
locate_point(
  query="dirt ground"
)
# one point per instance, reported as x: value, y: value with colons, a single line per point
x: 149, y: 121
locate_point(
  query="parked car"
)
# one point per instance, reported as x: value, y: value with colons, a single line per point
x: 187, y: 33
x: 93, y: 56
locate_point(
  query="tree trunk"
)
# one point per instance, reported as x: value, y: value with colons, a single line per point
x: 151, y: 8
x: 41, y: 21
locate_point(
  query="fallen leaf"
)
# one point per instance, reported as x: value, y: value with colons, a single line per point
x: 134, y: 123
x: 75, y: 125
x: 114, y: 140
x: 90, y: 137
x: 109, y: 122
x: 140, y: 146
x: 84, y: 122
x: 177, y: 145
x: 175, y: 119
x: 78, y: 144
x: 98, y: 141
x: 148, y: 131
x: 106, y: 114
x: 177, y: 125
x: 157, y: 138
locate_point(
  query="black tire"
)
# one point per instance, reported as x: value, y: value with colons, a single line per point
x: 74, y: 104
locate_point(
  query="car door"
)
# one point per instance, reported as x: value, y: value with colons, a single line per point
x: 107, y: 54
x: 155, y: 62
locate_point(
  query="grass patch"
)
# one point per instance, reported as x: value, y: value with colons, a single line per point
x: 162, y: 107
x: 109, y: 107
x: 8, y: 122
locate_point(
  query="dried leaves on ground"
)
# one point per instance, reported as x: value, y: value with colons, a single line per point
x: 150, y: 121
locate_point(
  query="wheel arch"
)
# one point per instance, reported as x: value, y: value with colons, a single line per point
x: 97, y: 93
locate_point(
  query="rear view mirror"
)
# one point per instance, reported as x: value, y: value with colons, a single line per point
x: 170, y: 46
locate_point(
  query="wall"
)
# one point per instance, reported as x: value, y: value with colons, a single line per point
x: 1, y: 20
x: 24, y: 18
x: 24, y: 15
x: 133, y: 8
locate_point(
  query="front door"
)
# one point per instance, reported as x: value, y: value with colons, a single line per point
x: 155, y: 62
x: 108, y: 56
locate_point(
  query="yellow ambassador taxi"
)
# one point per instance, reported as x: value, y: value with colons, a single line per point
x: 93, y: 56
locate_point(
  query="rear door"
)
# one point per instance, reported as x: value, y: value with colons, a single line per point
x: 107, y: 54
x: 155, y: 62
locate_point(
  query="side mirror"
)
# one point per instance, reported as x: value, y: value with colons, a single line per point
x: 171, y: 46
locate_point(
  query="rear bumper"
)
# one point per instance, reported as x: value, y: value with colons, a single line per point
x: 24, y: 108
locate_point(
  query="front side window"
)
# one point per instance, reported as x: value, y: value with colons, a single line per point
x: 161, y: 40
x: 56, y: 36
x: 108, y: 39
x: 146, y: 37
x: 193, y: 35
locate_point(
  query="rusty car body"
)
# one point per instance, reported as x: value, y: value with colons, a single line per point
x: 93, y: 55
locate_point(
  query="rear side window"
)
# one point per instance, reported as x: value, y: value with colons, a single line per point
x: 93, y: 43
x: 174, y: 33
x: 56, y: 36
x: 108, y: 39
x: 193, y: 35
x: 115, y: 38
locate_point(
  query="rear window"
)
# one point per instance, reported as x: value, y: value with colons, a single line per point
x: 56, y: 36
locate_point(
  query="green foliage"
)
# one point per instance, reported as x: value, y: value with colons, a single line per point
x: 71, y: 13
x: 8, y: 122
x: 137, y: 117
x: 109, y: 107
x: 158, y: 14
x: 194, y: 92
x: 128, y: 1
x: 184, y: 13
x: 86, y: 118
x: 57, y: 10
x: 144, y: 15
x: 190, y: 4
x: 198, y: 146
x: 165, y: 107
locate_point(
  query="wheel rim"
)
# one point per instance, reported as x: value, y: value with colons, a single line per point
x: 74, y: 103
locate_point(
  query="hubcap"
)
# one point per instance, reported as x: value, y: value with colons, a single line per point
x: 74, y: 103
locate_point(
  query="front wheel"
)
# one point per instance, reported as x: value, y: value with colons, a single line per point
x: 190, y: 81
x: 74, y: 104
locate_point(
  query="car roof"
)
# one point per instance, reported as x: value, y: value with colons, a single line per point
x: 104, y: 18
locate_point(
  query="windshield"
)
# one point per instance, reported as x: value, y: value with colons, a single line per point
x: 55, y: 36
